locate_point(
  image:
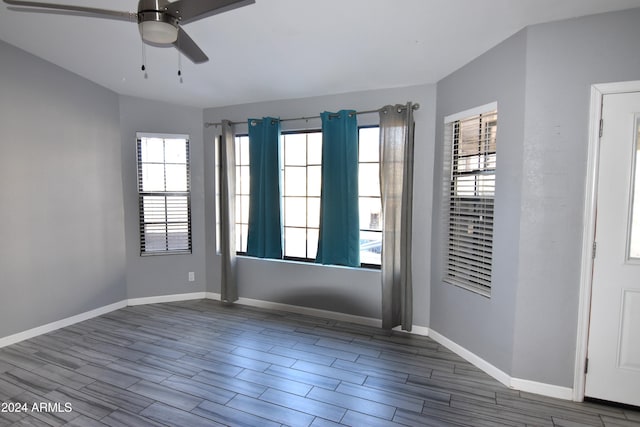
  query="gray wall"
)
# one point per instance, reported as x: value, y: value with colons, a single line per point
x: 484, y: 325
x: 61, y: 222
x: 352, y: 291
x: 563, y: 60
x: 541, y: 79
x: 157, y: 275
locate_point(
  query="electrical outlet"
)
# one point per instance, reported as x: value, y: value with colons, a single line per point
x: 192, y: 276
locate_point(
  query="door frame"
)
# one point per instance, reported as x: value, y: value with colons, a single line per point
x: 589, y: 224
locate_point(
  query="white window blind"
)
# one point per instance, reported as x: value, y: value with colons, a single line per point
x: 469, y: 194
x: 164, y: 194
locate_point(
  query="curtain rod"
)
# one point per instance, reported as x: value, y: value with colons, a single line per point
x: 209, y: 124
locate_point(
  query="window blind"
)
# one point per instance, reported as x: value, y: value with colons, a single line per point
x: 470, y: 193
x: 164, y: 194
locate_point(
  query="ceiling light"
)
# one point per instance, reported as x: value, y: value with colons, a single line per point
x: 158, y: 32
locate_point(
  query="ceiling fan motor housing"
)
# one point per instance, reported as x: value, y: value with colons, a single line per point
x: 155, y: 24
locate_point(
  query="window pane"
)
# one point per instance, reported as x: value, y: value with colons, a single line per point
x: 241, y: 237
x: 370, y: 213
x: 177, y: 209
x: 295, y: 150
x: 175, y: 151
x: 312, y: 242
x: 178, y: 237
x: 152, y: 177
x: 314, y: 141
x: 295, y: 212
x: 155, y: 238
x: 370, y: 247
x: 242, y: 153
x: 152, y: 150
x: 244, y: 209
x: 295, y: 240
x: 176, y: 177
x: 153, y: 209
x: 467, y: 164
x: 465, y: 185
x: 313, y: 212
x: 369, y: 145
x: 242, y: 241
x: 368, y: 180
x: 314, y: 174
x: 295, y: 181
x: 369, y: 195
x: 243, y: 179
x: 634, y: 245
x: 486, y: 185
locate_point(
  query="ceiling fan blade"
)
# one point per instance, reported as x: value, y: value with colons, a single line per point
x: 191, y: 10
x: 106, y: 13
x: 189, y: 48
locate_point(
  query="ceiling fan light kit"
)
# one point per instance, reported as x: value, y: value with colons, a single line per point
x: 155, y: 24
x: 158, y: 32
x: 158, y: 20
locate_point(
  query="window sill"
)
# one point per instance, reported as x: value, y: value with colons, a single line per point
x: 476, y: 290
x: 160, y: 253
x: 310, y: 263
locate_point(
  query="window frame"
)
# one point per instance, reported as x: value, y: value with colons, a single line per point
x: 469, y: 254
x: 142, y: 223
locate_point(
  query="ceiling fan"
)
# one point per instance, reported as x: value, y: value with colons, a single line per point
x: 159, y: 21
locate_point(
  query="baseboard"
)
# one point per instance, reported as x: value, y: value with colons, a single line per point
x: 415, y: 330
x: 528, y: 386
x: 212, y: 295
x: 472, y: 358
x: 325, y: 314
x: 167, y: 298
x: 50, y: 327
x: 544, y: 389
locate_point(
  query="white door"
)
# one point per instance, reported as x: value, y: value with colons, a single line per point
x: 614, y: 331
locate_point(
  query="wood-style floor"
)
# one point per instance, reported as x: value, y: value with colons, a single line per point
x: 199, y: 363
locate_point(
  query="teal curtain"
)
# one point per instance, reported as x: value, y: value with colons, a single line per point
x: 264, y: 236
x: 339, y: 237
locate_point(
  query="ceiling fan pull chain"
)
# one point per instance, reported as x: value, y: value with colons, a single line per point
x: 179, y: 63
x: 144, y: 61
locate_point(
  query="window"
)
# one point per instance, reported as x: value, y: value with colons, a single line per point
x: 300, y: 168
x: 242, y: 192
x: 301, y: 181
x: 369, y: 195
x: 470, y: 193
x: 164, y: 194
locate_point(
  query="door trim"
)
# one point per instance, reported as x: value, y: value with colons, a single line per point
x: 589, y: 223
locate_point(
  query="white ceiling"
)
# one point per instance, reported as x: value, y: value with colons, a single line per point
x: 279, y: 49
